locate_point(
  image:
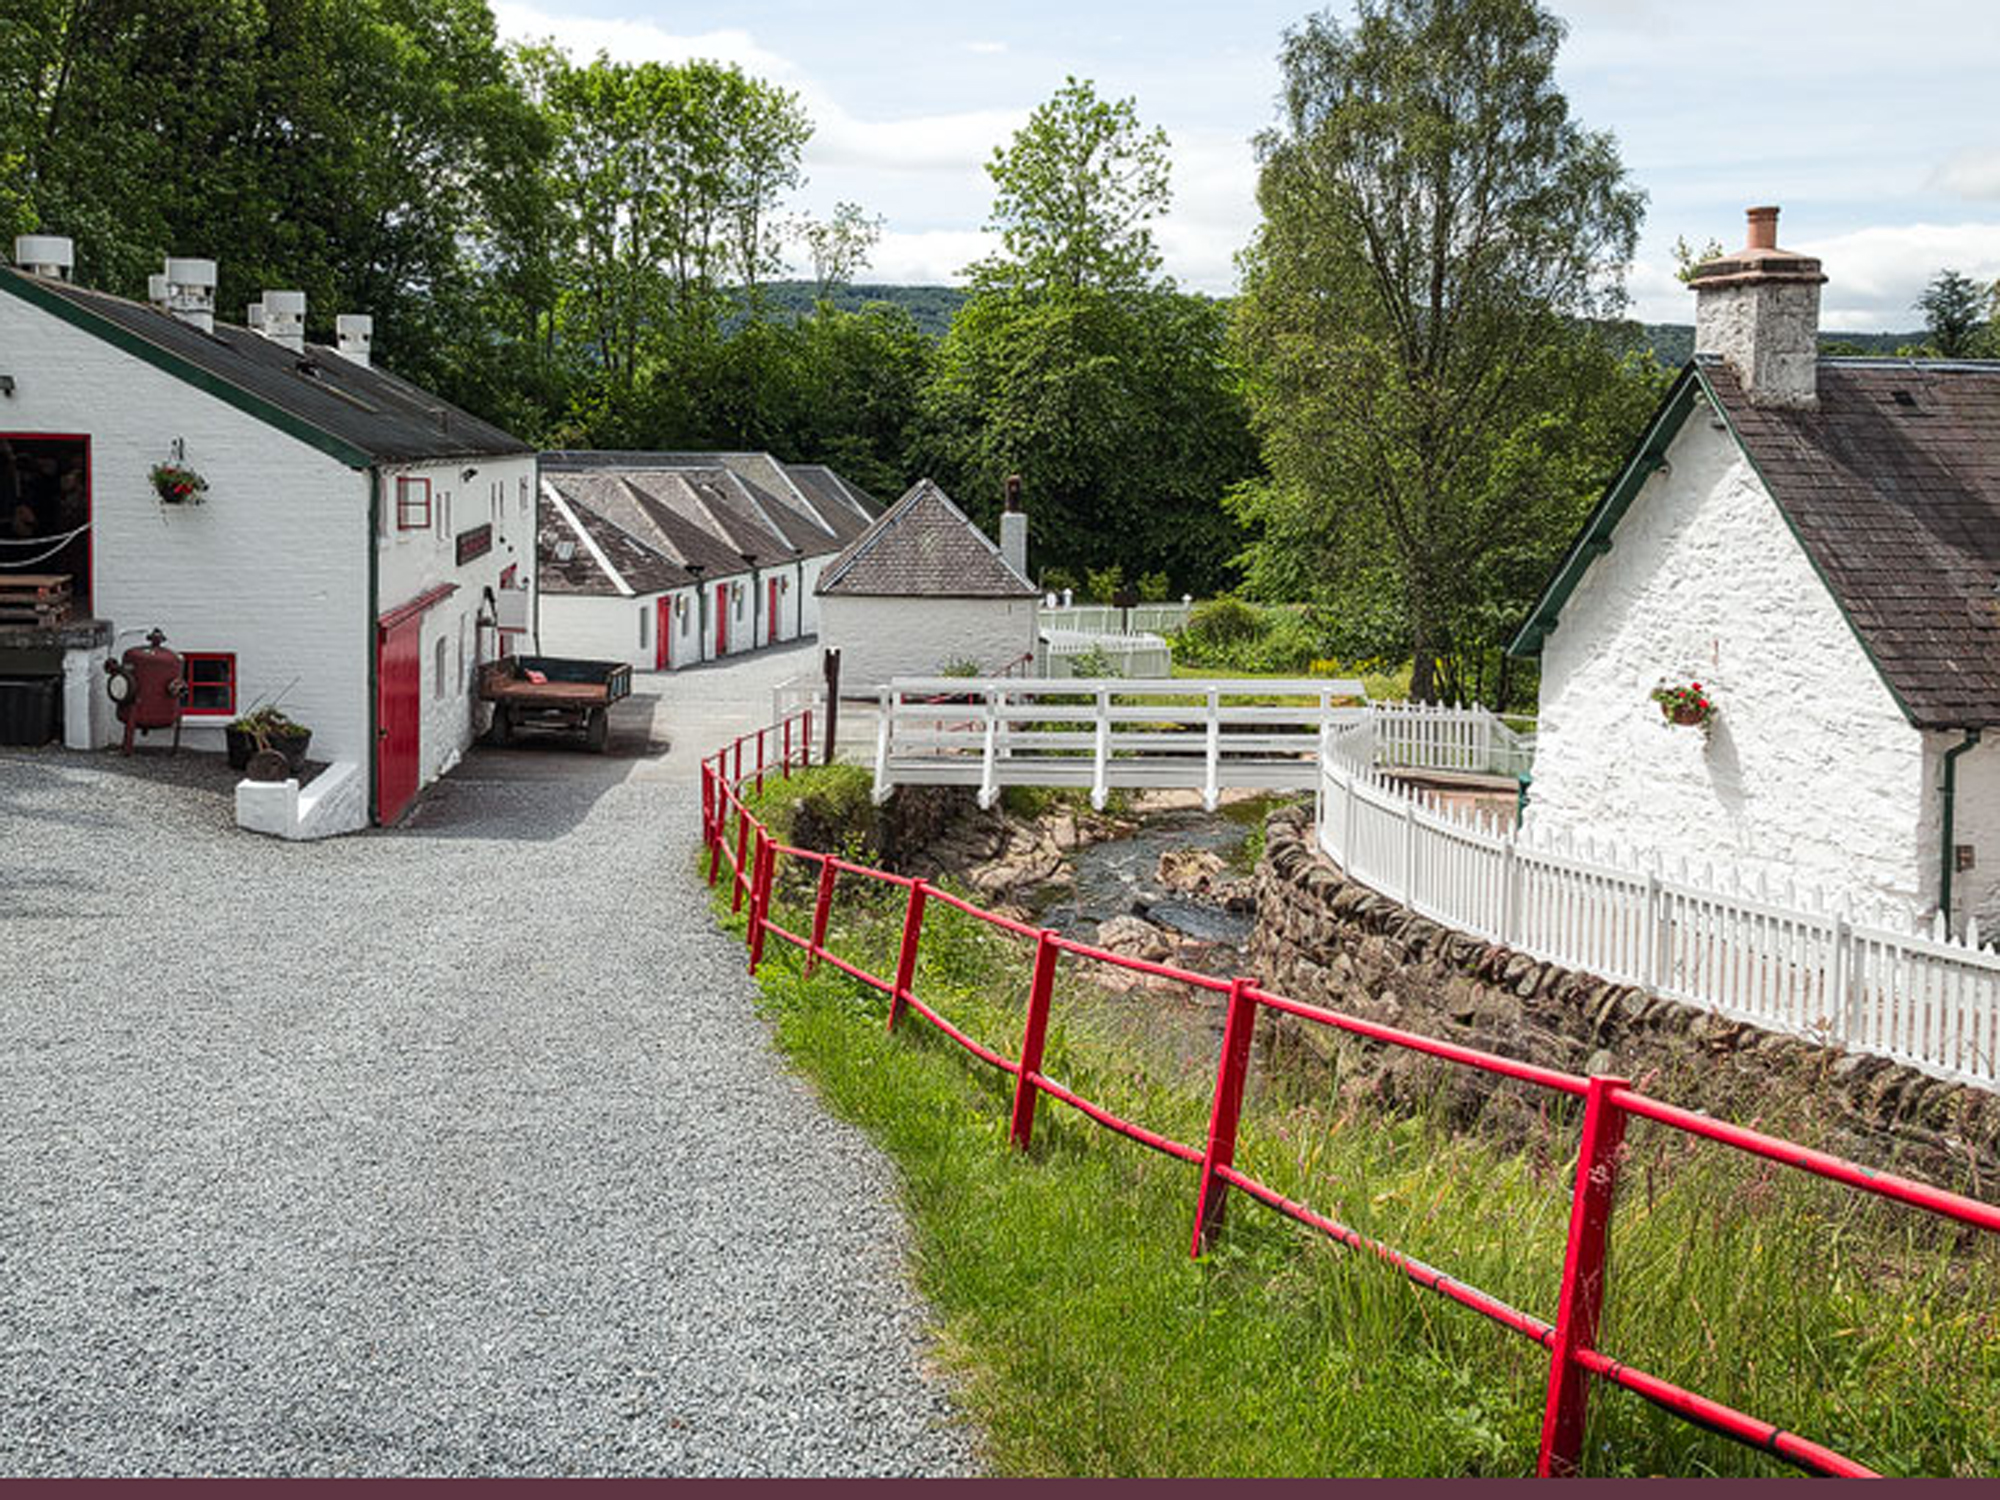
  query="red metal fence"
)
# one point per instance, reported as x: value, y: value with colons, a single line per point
x: 752, y: 856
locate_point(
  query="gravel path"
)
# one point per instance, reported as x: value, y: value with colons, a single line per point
x: 452, y: 1150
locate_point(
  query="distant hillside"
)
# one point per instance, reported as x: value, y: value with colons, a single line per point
x: 931, y: 307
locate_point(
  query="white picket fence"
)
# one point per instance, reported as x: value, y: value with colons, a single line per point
x: 1109, y: 619
x: 1869, y: 981
x: 1137, y: 655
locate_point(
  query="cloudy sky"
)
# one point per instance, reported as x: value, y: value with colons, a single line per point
x: 1873, y: 125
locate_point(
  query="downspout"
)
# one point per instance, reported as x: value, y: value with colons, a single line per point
x: 374, y: 643
x: 1947, y: 854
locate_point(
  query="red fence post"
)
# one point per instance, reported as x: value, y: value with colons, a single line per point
x: 718, y: 832
x: 806, y: 740
x: 906, y: 959
x: 822, y: 908
x: 1230, y: 1075
x: 736, y: 780
x: 760, y: 761
x: 1040, y: 988
x: 760, y: 895
x: 739, y: 877
x: 786, y: 762
x: 1583, y: 1278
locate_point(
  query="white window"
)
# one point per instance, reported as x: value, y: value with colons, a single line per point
x: 440, y: 666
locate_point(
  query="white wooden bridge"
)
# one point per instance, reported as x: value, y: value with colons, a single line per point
x: 1152, y: 733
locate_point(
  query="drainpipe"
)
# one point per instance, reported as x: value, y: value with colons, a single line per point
x: 1947, y: 854
x: 374, y: 636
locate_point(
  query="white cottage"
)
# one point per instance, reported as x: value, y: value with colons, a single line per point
x: 922, y: 591
x: 1816, y: 542
x: 360, y: 547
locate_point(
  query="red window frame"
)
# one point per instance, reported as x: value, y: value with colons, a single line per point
x: 409, y: 517
x: 227, y: 682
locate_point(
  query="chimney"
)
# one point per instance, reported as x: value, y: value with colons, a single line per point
x: 354, y: 335
x: 253, y: 317
x: 1759, y: 311
x: 50, y: 255
x: 1014, y: 529
x: 191, y: 292
x: 285, y: 320
x: 156, y: 290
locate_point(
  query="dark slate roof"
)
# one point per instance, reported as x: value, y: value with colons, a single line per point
x: 846, y: 507
x: 359, y: 415
x: 641, y: 515
x: 641, y: 566
x: 809, y: 493
x: 1892, y: 485
x: 924, y: 547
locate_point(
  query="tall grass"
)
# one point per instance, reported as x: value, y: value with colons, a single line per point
x: 1087, y: 1341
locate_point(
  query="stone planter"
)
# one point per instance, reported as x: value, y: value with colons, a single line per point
x: 241, y: 745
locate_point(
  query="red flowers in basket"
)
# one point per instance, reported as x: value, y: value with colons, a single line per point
x: 177, y: 485
x: 1688, y: 704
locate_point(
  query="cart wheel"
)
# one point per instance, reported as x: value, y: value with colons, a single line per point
x: 597, y: 732
x: 502, y: 732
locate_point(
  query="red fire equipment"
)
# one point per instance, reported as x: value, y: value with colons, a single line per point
x: 149, y: 685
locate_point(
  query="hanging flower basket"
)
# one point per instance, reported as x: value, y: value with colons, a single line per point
x: 1685, y: 704
x: 176, y: 485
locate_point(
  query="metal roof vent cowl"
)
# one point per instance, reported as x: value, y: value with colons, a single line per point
x: 354, y: 337
x: 191, y: 292
x: 50, y: 255
x: 1758, y: 310
x: 285, y: 320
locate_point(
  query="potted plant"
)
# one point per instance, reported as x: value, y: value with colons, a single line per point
x: 266, y: 728
x: 176, y: 484
x: 1687, y: 703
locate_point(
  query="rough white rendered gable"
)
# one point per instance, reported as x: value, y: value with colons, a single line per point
x: 1810, y: 770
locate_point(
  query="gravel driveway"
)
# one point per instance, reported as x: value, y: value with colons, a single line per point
x: 456, y: 1149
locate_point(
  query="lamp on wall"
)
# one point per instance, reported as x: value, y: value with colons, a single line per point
x: 6, y: 385
x: 466, y: 476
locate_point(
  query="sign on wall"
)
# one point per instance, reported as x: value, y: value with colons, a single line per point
x: 474, y: 543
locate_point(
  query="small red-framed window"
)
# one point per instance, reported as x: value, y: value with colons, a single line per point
x: 211, y: 682
x: 413, y: 503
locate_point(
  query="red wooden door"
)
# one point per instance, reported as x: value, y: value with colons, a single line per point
x: 399, y: 684
x: 722, y: 621
x: 771, y: 628
x: 663, y: 634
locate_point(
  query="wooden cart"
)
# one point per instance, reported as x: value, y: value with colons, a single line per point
x: 553, y: 692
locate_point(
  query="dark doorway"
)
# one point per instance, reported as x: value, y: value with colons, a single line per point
x: 45, y: 510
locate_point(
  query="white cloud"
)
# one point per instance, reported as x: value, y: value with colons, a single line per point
x: 986, y: 49
x: 637, y: 41
x: 932, y: 257
x: 1971, y: 174
x: 925, y: 143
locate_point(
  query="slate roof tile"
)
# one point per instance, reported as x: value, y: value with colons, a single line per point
x: 923, y: 546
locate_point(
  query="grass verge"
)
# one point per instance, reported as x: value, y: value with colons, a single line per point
x: 1088, y: 1343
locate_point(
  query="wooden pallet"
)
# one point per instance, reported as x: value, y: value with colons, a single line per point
x: 41, y: 599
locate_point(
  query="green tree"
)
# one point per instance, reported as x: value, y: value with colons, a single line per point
x: 1438, y: 235
x: 1954, y: 308
x: 1073, y: 195
x: 838, y: 245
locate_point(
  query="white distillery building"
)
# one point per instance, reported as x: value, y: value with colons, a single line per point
x: 360, y: 547
x: 734, y: 542
x: 924, y: 591
x: 1816, y: 542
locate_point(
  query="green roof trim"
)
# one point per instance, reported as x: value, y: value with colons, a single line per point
x: 1595, y: 538
x: 121, y: 338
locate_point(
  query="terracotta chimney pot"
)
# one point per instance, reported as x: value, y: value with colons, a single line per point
x: 1763, y: 229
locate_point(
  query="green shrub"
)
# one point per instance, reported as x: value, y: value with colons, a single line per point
x: 1100, y: 584
x: 1215, y: 624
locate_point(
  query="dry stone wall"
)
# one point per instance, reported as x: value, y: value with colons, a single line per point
x: 1326, y: 940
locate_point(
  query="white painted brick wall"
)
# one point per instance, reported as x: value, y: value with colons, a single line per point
x: 880, y: 638
x: 273, y: 567
x: 1810, y: 769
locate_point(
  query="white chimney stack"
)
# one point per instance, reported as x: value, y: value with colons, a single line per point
x: 1759, y: 311
x: 285, y: 319
x: 50, y: 255
x: 253, y: 317
x: 354, y: 336
x: 191, y: 292
x: 1014, y: 529
x: 156, y: 290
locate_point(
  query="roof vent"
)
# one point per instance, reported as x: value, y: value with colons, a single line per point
x: 156, y: 290
x: 285, y: 320
x: 1903, y: 398
x: 50, y: 255
x: 354, y: 336
x: 191, y: 292
x: 253, y: 317
x: 565, y: 551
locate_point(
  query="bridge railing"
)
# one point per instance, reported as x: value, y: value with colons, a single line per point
x: 1576, y: 1361
x: 1105, y: 732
